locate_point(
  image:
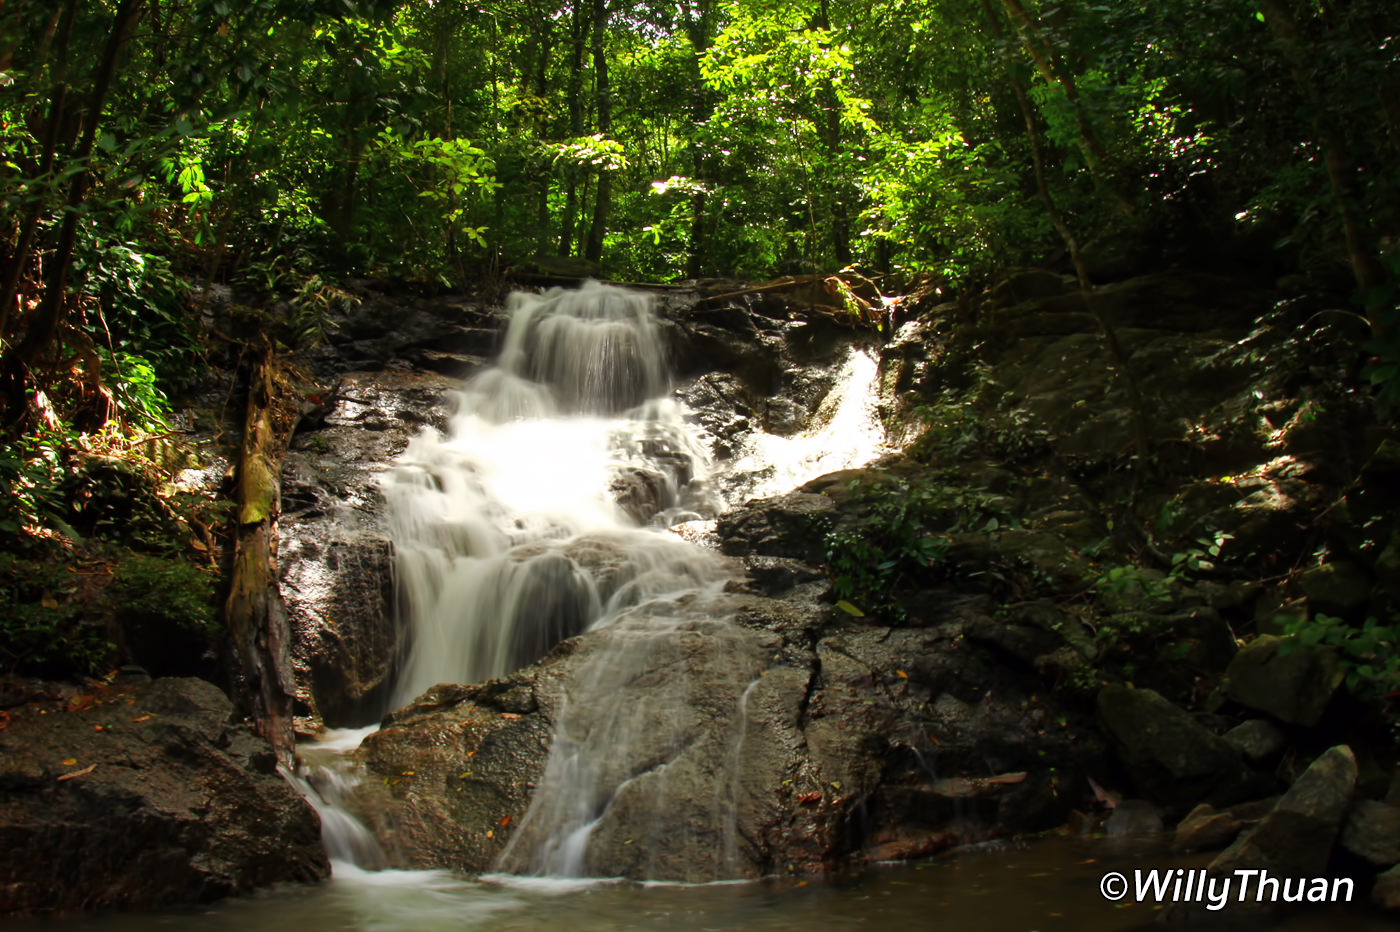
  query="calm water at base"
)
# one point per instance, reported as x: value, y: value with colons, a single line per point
x: 1043, y: 885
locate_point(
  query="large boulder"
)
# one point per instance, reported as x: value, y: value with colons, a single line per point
x: 1294, y: 686
x: 1170, y: 756
x: 141, y: 796
x: 1372, y: 832
x: 335, y: 560
x: 1295, y: 839
x: 735, y: 736
x: 792, y: 525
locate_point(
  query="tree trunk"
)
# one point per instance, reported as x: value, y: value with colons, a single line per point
x: 603, y: 95
x: 578, y: 34
x: 49, y: 315
x: 261, y: 682
x: 1117, y: 353
x: 1048, y: 63
x: 1366, y: 266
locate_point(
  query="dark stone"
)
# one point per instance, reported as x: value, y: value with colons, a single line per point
x: 1257, y: 739
x: 1170, y: 755
x: 792, y: 525
x: 1336, y: 588
x: 1206, y: 829
x: 1293, y: 686
x: 1295, y: 839
x: 1372, y: 832
x: 165, y: 802
x: 1386, y: 892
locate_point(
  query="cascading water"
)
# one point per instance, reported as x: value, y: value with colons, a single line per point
x: 509, y: 533
x: 542, y: 513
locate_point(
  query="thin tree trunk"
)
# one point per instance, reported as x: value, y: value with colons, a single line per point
x: 1048, y: 63
x: 1119, y: 356
x: 1366, y: 266
x: 51, y: 309
x: 603, y: 94
x: 61, y: 30
x: 578, y: 30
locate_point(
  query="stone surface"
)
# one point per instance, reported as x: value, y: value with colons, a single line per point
x: 1170, y: 755
x: 1372, y: 831
x: 141, y: 796
x: 1296, y: 838
x: 1257, y: 739
x: 335, y: 560
x: 1386, y: 892
x: 1335, y: 588
x: 1293, y: 686
x: 792, y: 525
x: 1206, y: 829
x: 825, y: 740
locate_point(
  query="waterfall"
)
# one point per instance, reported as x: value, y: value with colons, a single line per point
x: 546, y: 510
x: 541, y: 512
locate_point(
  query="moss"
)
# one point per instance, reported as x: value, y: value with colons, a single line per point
x: 165, y: 609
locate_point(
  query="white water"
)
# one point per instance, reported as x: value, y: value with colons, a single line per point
x: 542, y: 513
x: 844, y: 432
x: 507, y: 534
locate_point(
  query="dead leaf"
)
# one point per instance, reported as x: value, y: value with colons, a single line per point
x: 4, y: 719
x: 810, y: 797
x: 505, y: 820
x: 143, y: 718
x: 509, y: 715
x: 77, y: 773
x: 80, y: 703
x: 1107, y: 797
x: 901, y: 674
x: 69, y: 761
x: 48, y: 601
x: 490, y: 834
x: 196, y: 544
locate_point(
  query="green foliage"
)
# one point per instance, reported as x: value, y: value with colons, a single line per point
x: 44, y: 628
x: 166, y: 593
x: 899, y: 540
x: 1367, y: 654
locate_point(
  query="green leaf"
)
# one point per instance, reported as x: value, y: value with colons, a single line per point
x: 850, y: 609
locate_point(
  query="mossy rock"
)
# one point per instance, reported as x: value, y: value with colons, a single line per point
x: 1294, y: 686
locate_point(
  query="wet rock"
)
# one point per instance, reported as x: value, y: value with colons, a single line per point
x: 1294, y: 686
x: 1257, y: 739
x: 778, y: 738
x: 141, y: 796
x: 335, y: 561
x: 792, y: 525
x: 641, y: 493
x: 776, y: 575
x: 1295, y: 839
x: 1170, y: 755
x: 1372, y: 831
